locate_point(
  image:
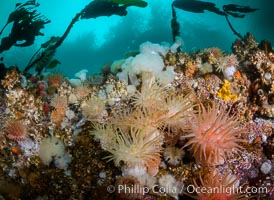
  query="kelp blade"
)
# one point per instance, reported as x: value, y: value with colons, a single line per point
x: 138, y: 3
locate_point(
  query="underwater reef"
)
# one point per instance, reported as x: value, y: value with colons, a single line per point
x: 158, y: 124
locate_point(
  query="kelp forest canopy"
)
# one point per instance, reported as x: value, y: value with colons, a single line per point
x: 27, y: 23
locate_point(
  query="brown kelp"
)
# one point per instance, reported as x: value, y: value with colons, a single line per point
x: 27, y: 23
x: 197, y: 6
x: 94, y: 9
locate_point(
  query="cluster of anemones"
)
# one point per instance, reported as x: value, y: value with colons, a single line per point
x: 137, y: 136
x: 135, y: 139
x: 163, y: 105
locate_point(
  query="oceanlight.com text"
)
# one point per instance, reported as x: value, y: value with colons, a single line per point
x: 190, y: 189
